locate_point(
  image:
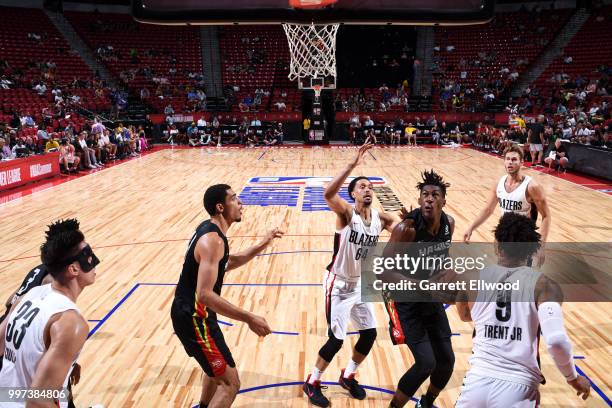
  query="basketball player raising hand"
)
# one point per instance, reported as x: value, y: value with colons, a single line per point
x: 518, y: 193
x: 357, y: 231
x: 197, y: 299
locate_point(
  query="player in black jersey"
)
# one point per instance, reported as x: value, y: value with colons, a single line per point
x: 197, y: 299
x: 37, y: 276
x: 423, y: 326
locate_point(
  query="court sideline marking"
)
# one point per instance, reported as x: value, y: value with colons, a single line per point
x: 596, y: 388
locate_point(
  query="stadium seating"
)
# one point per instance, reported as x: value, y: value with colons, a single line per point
x: 270, y: 74
x: 586, y: 51
x: 18, y: 49
x: 167, y: 42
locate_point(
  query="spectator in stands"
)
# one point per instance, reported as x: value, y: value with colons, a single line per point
x: 144, y: 93
x: 168, y: 110
x: 255, y: 122
x: 354, y: 127
x: 86, y: 154
x: 251, y: 139
x: 280, y: 106
x: 435, y: 134
x: 410, y: 133
x: 51, y: 145
x: 40, y: 88
x: 97, y: 127
x: 246, y: 104
x: 27, y: 121
x: 105, y: 143
x: 5, y: 150
x: 536, y: 140
x: 42, y: 135
x: 557, y: 156
x: 192, y: 134
x: 142, y: 137
x: 370, y: 137
x: 279, y: 134
x: 269, y: 139
x: 67, y: 156
x: 216, y: 124
x: 20, y: 149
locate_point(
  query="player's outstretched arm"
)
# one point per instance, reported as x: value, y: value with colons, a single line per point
x: 208, y: 252
x: 389, y: 220
x: 537, y: 194
x: 482, y: 217
x: 242, y: 257
x: 336, y: 203
x: 67, y: 336
x: 548, y: 299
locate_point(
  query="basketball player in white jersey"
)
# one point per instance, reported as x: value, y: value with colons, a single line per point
x: 44, y: 332
x: 517, y: 193
x: 357, y: 231
x: 505, y: 369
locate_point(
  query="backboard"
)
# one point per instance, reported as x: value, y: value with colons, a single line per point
x: 414, y: 12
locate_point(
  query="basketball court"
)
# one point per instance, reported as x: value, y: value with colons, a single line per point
x: 139, y: 215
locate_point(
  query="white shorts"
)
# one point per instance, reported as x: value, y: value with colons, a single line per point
x: 535, y: 147
x: 486, y: 392
x: 343, y: 302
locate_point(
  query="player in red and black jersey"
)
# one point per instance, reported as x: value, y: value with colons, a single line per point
x: 198, y: 296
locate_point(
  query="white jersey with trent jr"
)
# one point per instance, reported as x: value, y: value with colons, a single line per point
x: 515, y: 201
x: 507, y: 333
x: 352, y: 244
x: 25, y: 343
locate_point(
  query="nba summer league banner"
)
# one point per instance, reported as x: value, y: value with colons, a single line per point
x: 482, y: 272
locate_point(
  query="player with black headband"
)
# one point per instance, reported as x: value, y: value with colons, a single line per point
x: 45, y: 331
x: 357, y: 230
x: 423, y: 326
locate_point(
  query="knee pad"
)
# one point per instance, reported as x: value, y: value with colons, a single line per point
x: 366, y: 341
x: 330, y: 348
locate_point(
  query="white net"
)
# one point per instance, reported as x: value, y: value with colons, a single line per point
x: 313, y: 50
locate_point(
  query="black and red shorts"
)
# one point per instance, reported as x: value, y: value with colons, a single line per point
x: 203, y: 340
x: 412, y: 323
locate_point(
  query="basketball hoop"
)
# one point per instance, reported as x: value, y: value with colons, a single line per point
x: 313, y: 50
x: 317, y: 90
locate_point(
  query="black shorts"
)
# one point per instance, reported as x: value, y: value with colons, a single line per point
x: 203, y: 340
x: 412, y: 323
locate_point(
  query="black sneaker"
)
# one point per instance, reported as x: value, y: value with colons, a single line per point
x: 423, y: 403
x: 353, y: 387
x: 314, y: 394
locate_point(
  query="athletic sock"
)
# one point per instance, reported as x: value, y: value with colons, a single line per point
x: 202, y: 405
x: 430, y: 397
x: 351, y: 368
x: 315, y: 376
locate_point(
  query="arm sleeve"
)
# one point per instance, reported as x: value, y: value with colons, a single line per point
x: 557, y: 341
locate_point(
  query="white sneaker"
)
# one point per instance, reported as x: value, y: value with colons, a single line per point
x: 92, y: 167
